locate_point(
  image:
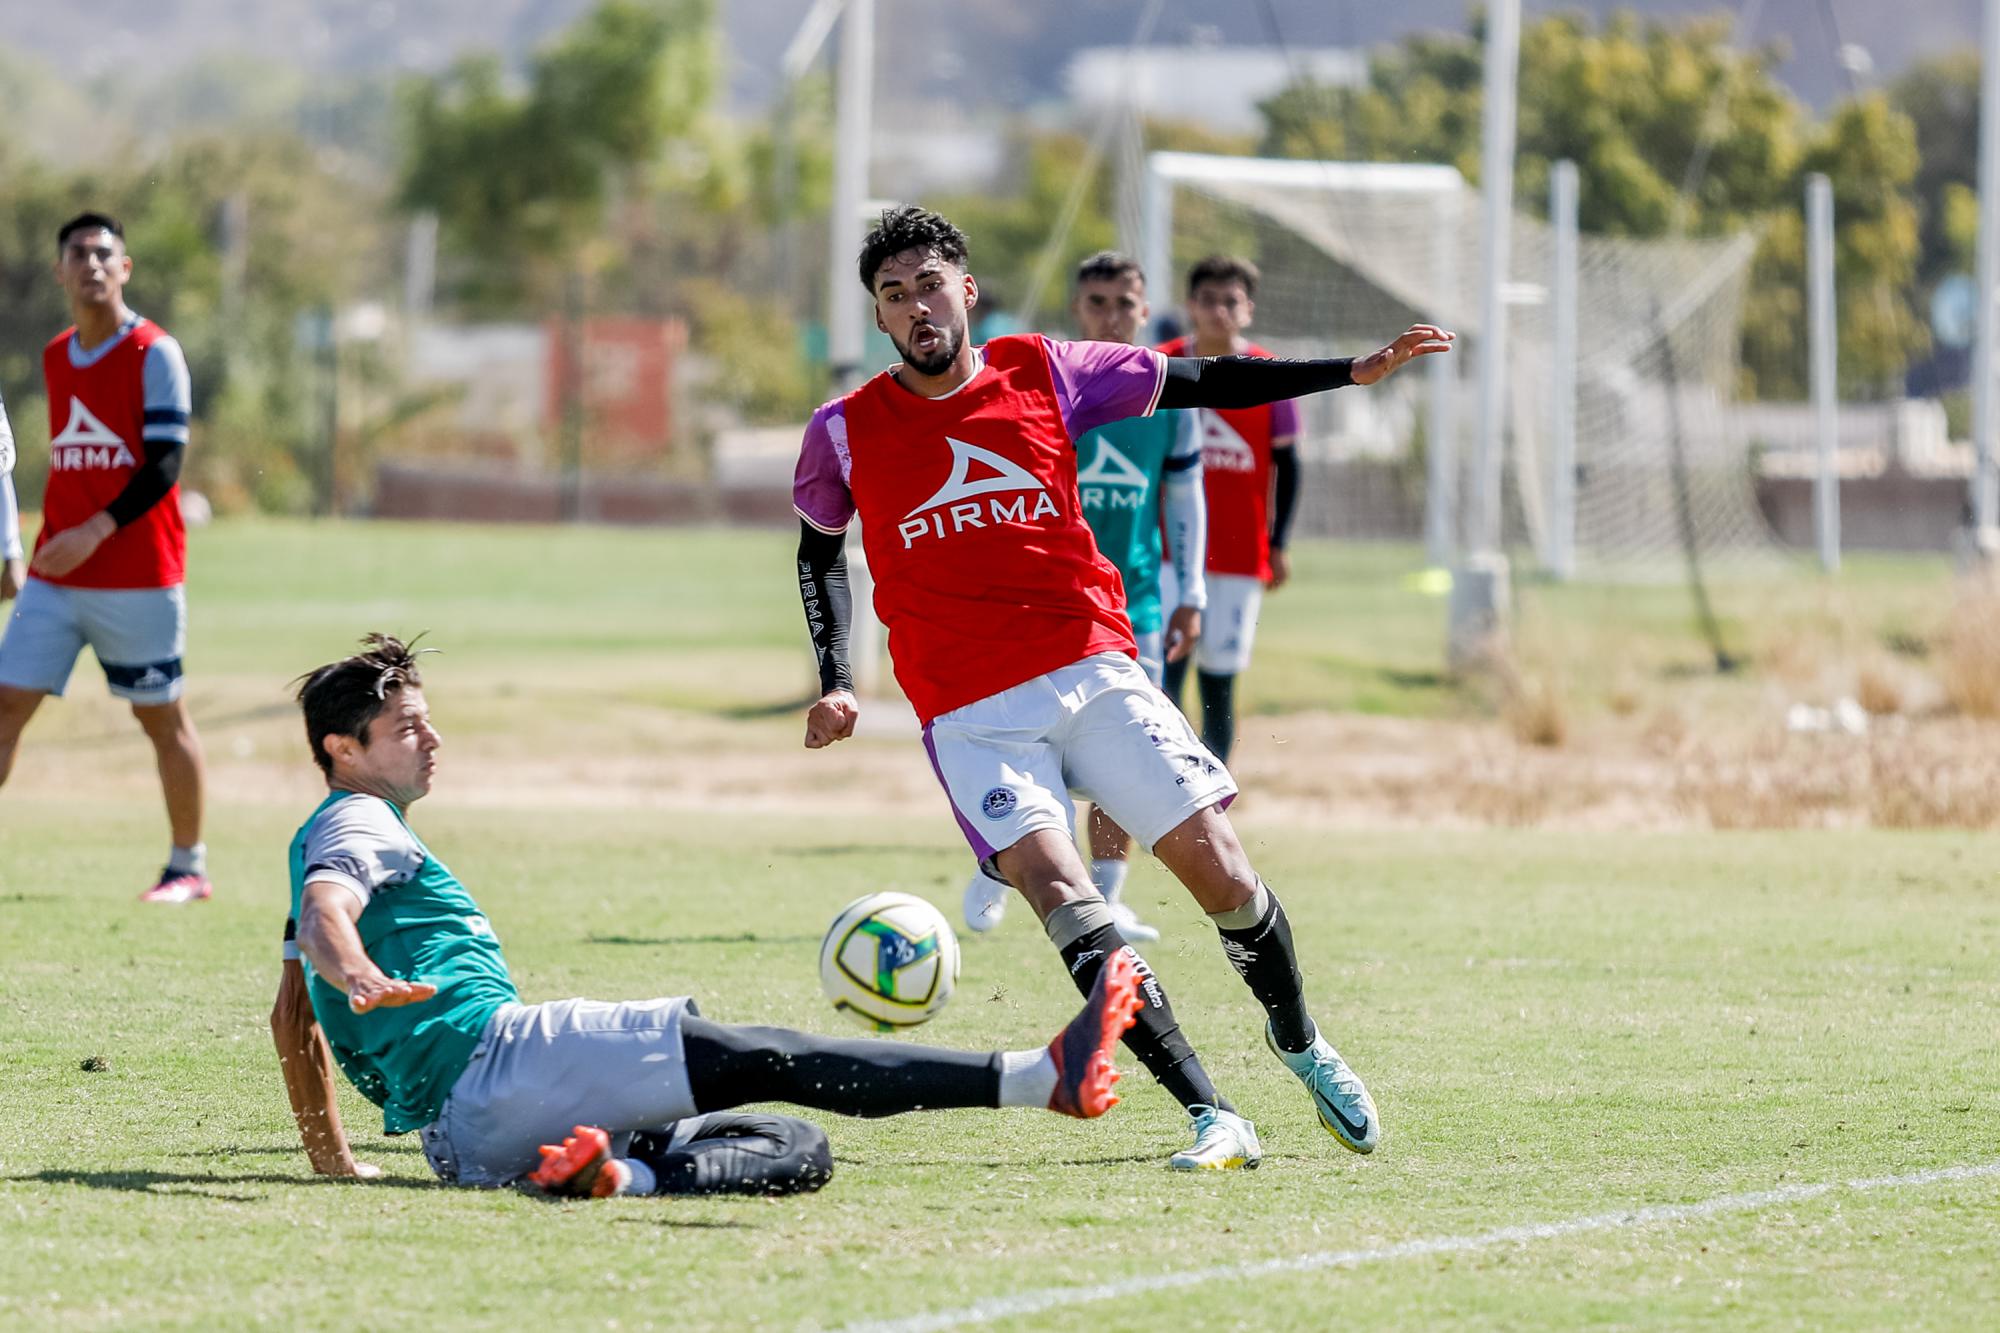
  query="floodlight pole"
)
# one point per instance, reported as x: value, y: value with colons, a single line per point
x: 1826, y: 420
x: 846, y: 309
x: 1441, y: 459
x: 846, y: 300
x: 1985, y: 481
x: 1478, y: 598
x: 1562, y: 414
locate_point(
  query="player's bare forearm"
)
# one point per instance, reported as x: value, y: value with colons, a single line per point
x: 307, y: 1064
x: 332, y: 944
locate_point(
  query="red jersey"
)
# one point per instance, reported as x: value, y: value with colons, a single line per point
x: 986, y: 573
x: 97, y: 428
x: 1236, y: 475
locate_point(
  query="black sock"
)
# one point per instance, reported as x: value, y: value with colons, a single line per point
x: 1173, y: 681
x: 729, y: 1064
x: 1156, y: 1038
x: 1218, y: 712
x: 1263, y: 956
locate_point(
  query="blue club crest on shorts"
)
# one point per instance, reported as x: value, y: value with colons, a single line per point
x: 999, y: 803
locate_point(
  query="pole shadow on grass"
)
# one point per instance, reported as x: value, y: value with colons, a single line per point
x: 293, y: 1150
x: 657, y: 941
x: 185, y: 1185
x: 1115, y: 1159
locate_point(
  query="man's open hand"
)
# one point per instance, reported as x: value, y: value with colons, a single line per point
x: 380, y: 992
x: 13, y: 575
x: 832, y: 719
x: 1419, y: 340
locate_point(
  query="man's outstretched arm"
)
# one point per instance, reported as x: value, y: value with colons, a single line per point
x: 307, y: 1062
x: 1252, y: 381
x: 331, y: 943
x: 829, y: 606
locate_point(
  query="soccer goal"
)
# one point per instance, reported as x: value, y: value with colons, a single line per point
x: 1657, y: 467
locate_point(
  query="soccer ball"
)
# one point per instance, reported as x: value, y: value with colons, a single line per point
x: 890, y: 960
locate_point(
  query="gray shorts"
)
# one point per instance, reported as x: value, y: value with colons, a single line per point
x: 138, y: 635
x: 540, y: 1070
x: 1152, y: 653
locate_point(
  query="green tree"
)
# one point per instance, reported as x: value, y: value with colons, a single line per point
x: 1637, y: 105
x: 522, y: 181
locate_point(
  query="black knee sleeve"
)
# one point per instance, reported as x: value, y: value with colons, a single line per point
x: 729, y: 1152
x: 1218, y: 712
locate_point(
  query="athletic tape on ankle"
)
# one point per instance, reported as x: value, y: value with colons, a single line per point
x: 1072, y: 921
x: 1246, y: 916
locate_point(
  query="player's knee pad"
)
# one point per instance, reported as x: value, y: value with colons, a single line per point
x: 731, y: 1152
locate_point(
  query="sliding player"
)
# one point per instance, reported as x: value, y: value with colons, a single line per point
x: 404, y: 984
x: 1008, y: 633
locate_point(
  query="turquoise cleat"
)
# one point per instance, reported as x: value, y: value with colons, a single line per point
x: 1343, y: 1105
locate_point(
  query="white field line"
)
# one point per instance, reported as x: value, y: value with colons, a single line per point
x: 1051, y: 1298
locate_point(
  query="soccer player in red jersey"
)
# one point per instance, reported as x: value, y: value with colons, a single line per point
x: 107, y: 568
x: 1009, y: 635
x: 1250, y: 471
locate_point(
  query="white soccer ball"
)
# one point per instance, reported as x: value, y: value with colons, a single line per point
x: 890, y: 960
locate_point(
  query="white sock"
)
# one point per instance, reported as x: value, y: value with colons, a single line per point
x: 1027, y: 1078
x: 188, y: 860
x: 641, y: 1180
x: 1108, y: 875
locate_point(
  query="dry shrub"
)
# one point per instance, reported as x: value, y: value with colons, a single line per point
x: 1914, y: 786
x: 1625, y: 698
x: 1970, y: 662
x: 1812, y: 785
x: 1878, y: 688
x: 1536, y: 712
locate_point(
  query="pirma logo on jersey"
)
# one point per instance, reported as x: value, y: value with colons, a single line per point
x: 87, y: 442
x: 1222, y: 448
x: 958, y: 505
x: 1112, y: 481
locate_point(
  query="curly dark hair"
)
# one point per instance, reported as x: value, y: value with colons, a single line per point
x: 1109, y: 266
x: 342, y: 698
x: 1224, y: 269
x: 910, y: 228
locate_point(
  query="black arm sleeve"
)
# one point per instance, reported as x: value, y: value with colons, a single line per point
x: 150, y: 483
x: 1285, y: 501
x: 828, y: 601
x: 1248, y: 381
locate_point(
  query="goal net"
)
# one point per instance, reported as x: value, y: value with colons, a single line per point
x: 1353, y: 252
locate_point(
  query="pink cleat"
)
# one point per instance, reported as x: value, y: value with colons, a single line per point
x: 178, y: 887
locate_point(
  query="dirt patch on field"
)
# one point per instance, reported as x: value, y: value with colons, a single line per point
x: 1673, y: 769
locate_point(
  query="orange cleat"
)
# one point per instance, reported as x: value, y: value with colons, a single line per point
x: 1082, y: 1051
x: 582, y: 1167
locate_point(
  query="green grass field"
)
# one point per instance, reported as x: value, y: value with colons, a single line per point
x: 1556, y: 1026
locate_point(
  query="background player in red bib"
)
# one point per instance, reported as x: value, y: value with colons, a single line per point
x: 1250, y: 470
x: 108, y: 565
x: 1008, y: 633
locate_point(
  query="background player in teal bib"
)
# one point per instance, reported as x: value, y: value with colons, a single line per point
x: 393, y: 971
x: 1137, y: 479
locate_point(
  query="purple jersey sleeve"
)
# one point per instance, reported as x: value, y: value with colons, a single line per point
x: 1099, y: 383
x: 819, y: 485
x: 1285, y: 420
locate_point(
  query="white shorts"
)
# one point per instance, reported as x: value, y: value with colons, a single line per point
x: 138, y: 635
x: 540, y: 1070
x: 1228, y: 624
x: 1097, y: 728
